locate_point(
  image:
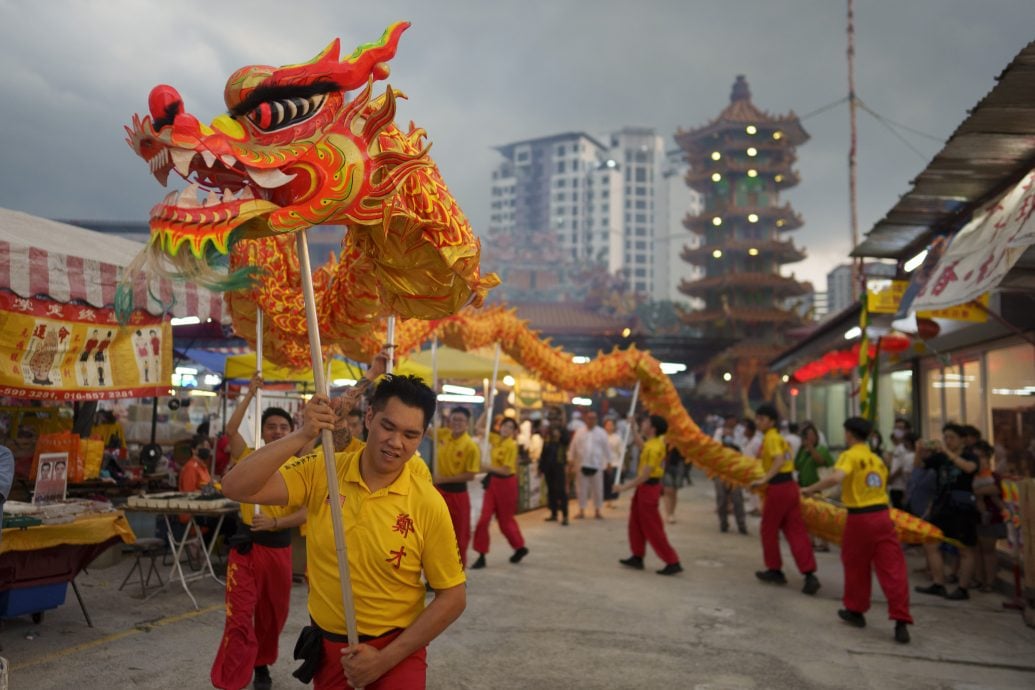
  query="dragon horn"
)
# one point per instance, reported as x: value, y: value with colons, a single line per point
x: 354, y: 71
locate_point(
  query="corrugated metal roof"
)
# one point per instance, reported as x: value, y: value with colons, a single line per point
x: 993, y: 148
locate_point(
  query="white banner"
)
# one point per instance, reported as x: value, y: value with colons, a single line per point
x: 983, y: 252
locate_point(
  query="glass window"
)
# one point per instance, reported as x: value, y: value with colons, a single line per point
x: 973, y: 395
x: 933, y: 392
x: 1011, y: 384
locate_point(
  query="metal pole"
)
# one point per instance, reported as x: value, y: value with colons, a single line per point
x: 327, y: 439
x: 257, y: 421
x: 628, y: 430
x: 852, y: 196
x: 434, y: 387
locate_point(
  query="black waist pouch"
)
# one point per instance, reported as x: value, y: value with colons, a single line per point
x: 309, y: 650
x: 588, y: 471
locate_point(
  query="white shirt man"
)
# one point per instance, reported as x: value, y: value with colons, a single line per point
x: 589, y: 453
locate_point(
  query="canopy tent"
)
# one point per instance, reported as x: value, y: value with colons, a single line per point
x: 460, y: 365
x: 243, y: 366
x: 43, y: 257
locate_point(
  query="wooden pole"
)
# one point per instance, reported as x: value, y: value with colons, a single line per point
x: 327, y: 439
x: 258, y: 394
x: 490, y: 401
x: 434, y: 387
x: 857, y: 275
x: 628, y: 429
x: 390, y: 345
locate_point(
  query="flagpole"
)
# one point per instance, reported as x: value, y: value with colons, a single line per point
x: 327, y: 439
x: 628, y: 428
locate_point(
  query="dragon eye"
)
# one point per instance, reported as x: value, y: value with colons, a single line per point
x: 284, y: 112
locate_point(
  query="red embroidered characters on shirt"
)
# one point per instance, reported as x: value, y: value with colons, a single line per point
x: 397, y: 556
x: 403, y: 525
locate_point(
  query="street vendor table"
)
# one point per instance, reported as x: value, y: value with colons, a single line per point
x: 191, y: 534
x: 46, y: 555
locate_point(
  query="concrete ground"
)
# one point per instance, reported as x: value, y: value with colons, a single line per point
x: 570, y: 616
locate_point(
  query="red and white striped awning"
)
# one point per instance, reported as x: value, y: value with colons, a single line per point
x: 65, y: 263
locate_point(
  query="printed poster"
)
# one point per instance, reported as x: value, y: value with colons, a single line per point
x: 52, y: 351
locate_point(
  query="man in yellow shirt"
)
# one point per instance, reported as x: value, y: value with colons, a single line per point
x: 258, y: 581
x: 870, y: 541
x: 457, y: 462
x: 501, y: 495
x: 645, y: 524
x: 396, y: 527
x: 781, y: 510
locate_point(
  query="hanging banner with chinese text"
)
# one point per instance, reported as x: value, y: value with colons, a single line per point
x: 53, y: 351
x: 885, y: 297
x: 983, y: 252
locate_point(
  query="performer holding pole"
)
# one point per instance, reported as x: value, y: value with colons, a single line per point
x: 870, y: 541
x: 258, y: 582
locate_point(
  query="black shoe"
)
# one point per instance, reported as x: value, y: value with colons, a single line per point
x: 724, y: 528
x: 935, y: 589
x: 852, y: 618
x: 901, y: 632
x: 552, y: 518
x: 742, y: 530
x: 775, y: 577
x: 635, y: 562
x: 519, y: 554
x: 811, y: 585
x: 480, y: 563
x: 670, y: 569
x: 564, y: 522
x: 959, y: 595
x: 262, y: 680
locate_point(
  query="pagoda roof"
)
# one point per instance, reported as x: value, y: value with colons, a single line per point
x: 791, y: 219
x: 742, y: 314
x: 568, y: 318
x: 783, y: 250
x: 783, y: 285
x: 742, y: 111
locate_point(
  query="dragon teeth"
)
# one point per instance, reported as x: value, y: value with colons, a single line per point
x: 189, y: 197
x: 181, y: 160
x: 209, y: 158
x: 212, y: 199
x: 228, y: 160
x: 228, y: 196
x: 269, y: 179
x: 246, y: 194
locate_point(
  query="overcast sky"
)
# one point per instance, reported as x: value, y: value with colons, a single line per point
x: 480, y: 74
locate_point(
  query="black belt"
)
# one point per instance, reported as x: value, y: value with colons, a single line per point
x: 344, y: 639
x: 868, y: 509
x: 277, y: 539
x: 453, y: 487
x: 782, y: 477
x: 654, y: 481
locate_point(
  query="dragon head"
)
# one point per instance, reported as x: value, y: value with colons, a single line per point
x: 291, y: 152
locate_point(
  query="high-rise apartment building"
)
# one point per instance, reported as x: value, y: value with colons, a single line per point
x: 606, y: 202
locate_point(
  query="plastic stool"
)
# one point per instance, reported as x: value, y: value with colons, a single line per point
x: 150, y: 548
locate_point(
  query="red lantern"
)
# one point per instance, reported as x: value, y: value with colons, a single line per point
x: 927, y: 328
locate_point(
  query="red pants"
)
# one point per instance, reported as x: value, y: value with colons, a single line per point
x: 870, y: 543
x: 782, y: 511
x: 258, y: 594
x: 501, y: 499
x: 409, y: 674
x: 645, y: 525
x: 459, y: 505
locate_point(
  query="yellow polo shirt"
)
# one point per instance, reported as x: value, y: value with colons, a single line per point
x: 653, y: 456
x: 503, y: 453
x: 248, y: 509
x: 354, y: 445
x: 866, y: 478
x: 391, y: 534
x: 457, y: 455
x: 775, y: 447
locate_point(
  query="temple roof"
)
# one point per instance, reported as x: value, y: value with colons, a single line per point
x: 742, y: 111
x: 785, y: 251
x: 782, y: 285
x: 743, y: 314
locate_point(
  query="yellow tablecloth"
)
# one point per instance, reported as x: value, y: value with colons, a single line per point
x: 92, y: 529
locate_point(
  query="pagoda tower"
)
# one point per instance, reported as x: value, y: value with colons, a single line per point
x: 739, y: 162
